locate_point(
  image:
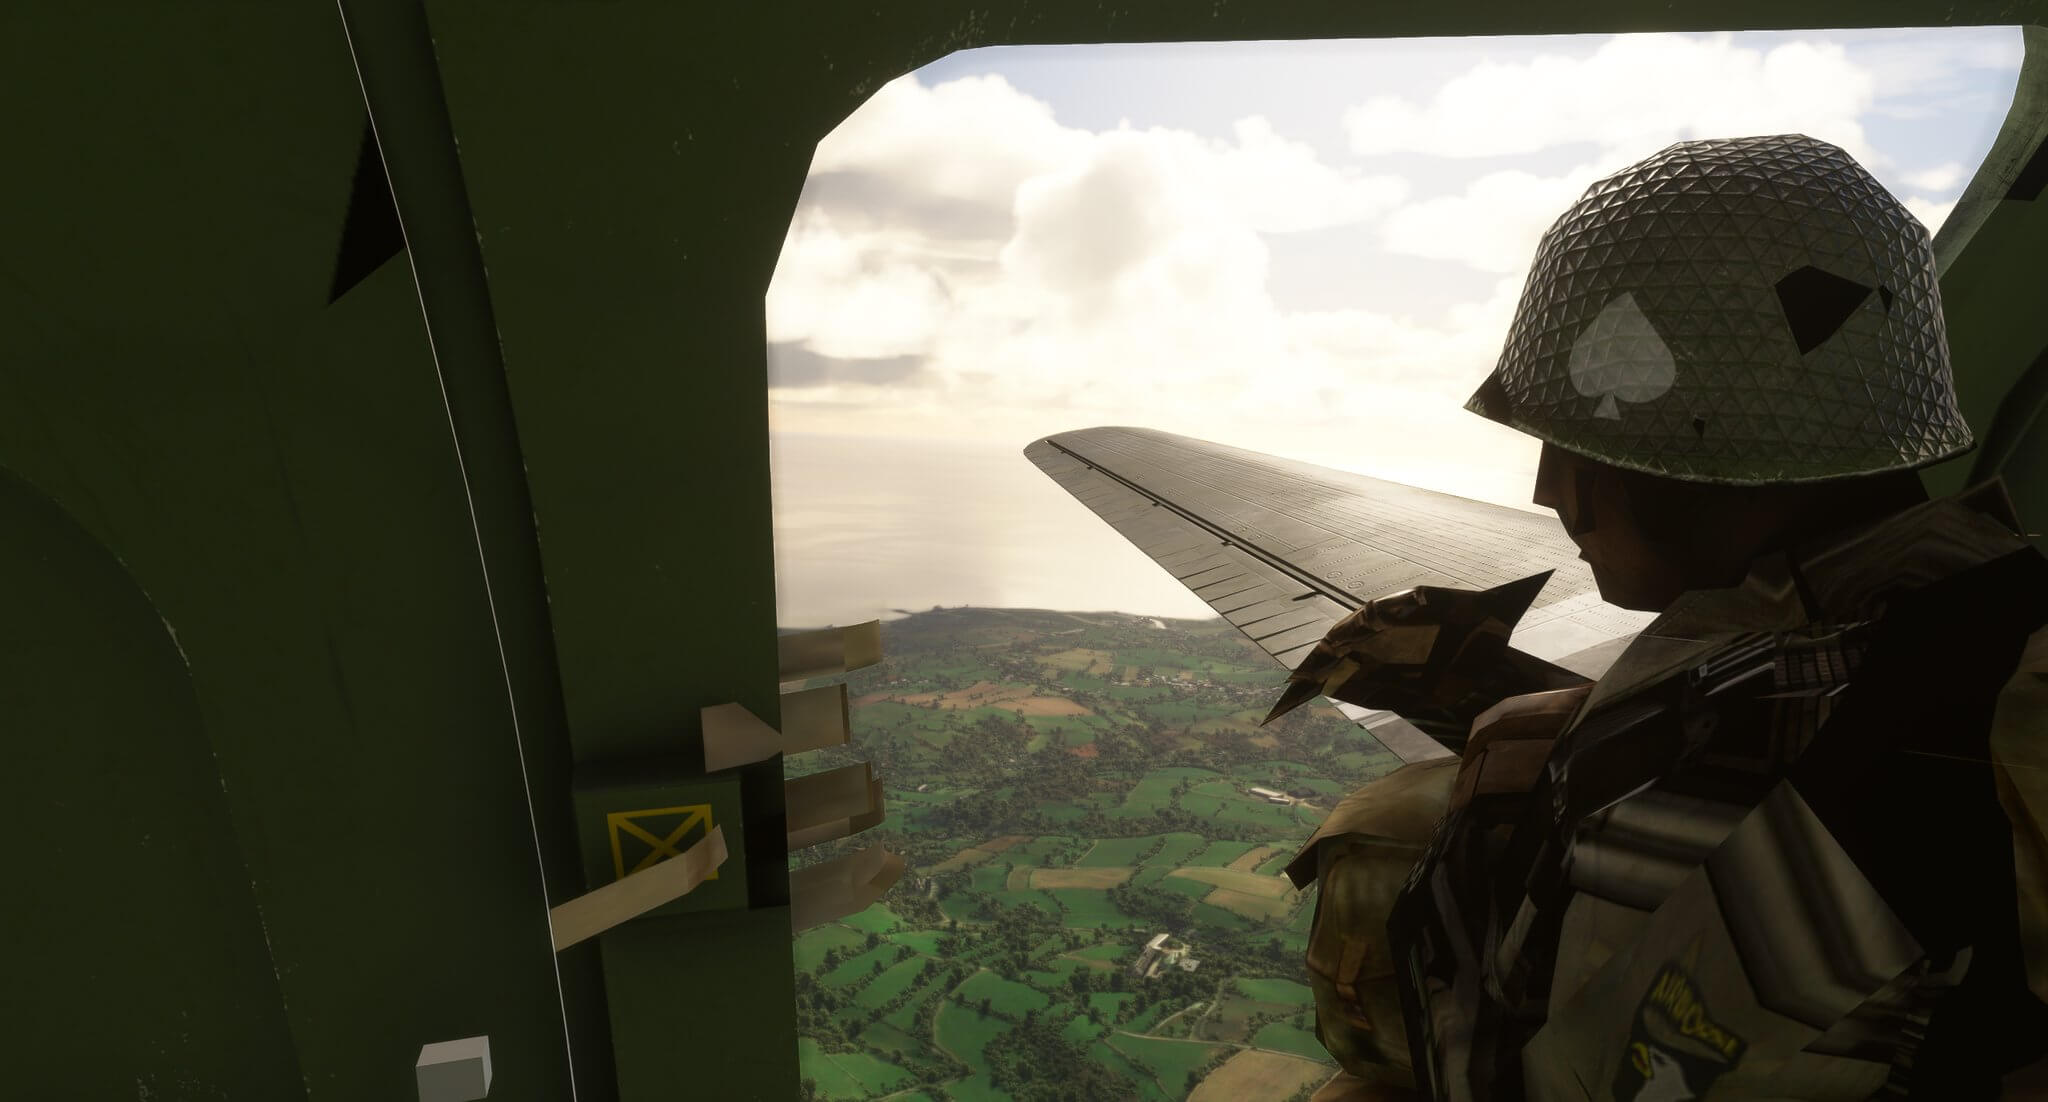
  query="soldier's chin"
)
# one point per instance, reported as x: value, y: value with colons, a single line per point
x: 1627, y: 589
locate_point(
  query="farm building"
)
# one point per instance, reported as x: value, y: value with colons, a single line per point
x: 1163, y: 952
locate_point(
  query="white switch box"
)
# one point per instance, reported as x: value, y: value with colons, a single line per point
x: 454, y: 1071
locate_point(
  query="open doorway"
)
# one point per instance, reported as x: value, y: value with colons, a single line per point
x: 1305, y: 249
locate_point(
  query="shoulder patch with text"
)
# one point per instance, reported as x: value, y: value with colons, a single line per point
x: 1675, y: 1049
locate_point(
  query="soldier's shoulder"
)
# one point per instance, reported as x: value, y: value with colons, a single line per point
x: 1401, y: 806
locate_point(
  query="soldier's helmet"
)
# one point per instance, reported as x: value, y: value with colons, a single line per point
x: 1739, y: 311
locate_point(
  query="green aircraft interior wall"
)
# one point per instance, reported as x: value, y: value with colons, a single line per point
x: 117, y: 823
x: 1991, y: 251
x: 278, y: 475
x: 394, y: 57
x: 596, y: 147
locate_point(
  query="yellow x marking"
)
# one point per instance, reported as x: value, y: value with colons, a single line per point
x: 624, y: 822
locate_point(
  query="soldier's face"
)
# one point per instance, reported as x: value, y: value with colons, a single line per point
x: 1632, y: 567
x: 1649, y: 539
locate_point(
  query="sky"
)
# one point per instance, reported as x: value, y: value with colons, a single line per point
x: 1308, y: 249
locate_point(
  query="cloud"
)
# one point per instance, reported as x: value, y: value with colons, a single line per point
x: 959, y: 151
x: 868, y: 199
x: 1632, y: 96
x: 1939, y: 178
x: 1132, y: 227
x: 1919, y: 75
x: 853, y: 295
x: 790, y: 364
x: 972, y: 139
x: 1281, y: 186
x: 1623, y: 102
x: 1084, y: 229
x: 1494, y: 224
x: 1020, y: 262
x: 1930, y: 213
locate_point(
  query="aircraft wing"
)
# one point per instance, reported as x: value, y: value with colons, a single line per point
x: 1284, y: 549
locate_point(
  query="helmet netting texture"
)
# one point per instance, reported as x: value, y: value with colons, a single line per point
x: 1736, y: 311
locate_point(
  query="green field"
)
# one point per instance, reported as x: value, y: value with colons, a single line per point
x: 1169, y: 1062
x: 1044, y: 902
x: 860, y: 965
x: 961, y: 907
x: 1157, y: 787
x: 1144, y: 1020
x: 1051, y: 975
x: 1179, y: 850
x: 1082, y: 1030
x: 1045, y: 851
x: 892, y: 982
x: 903, y: 1023
x: 1211, y: 915
x: 1138, y: 1078
x: 1193, y: 889
x: 848, y: 1074
x: 1284, y: 992
x: 1287, y: 1037
x: 1116, y: 852
x: 810, y: 948
x: 922, y: 941
x: 1084, y: 907
x: 992, y: 877
x: 877, y: 919
x: 1004, y: 996
x: 1221, y: 853
x: 963, y: 1032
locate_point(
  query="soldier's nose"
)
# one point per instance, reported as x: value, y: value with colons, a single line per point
x: 1577, y: 513
x: 1546, y: 495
